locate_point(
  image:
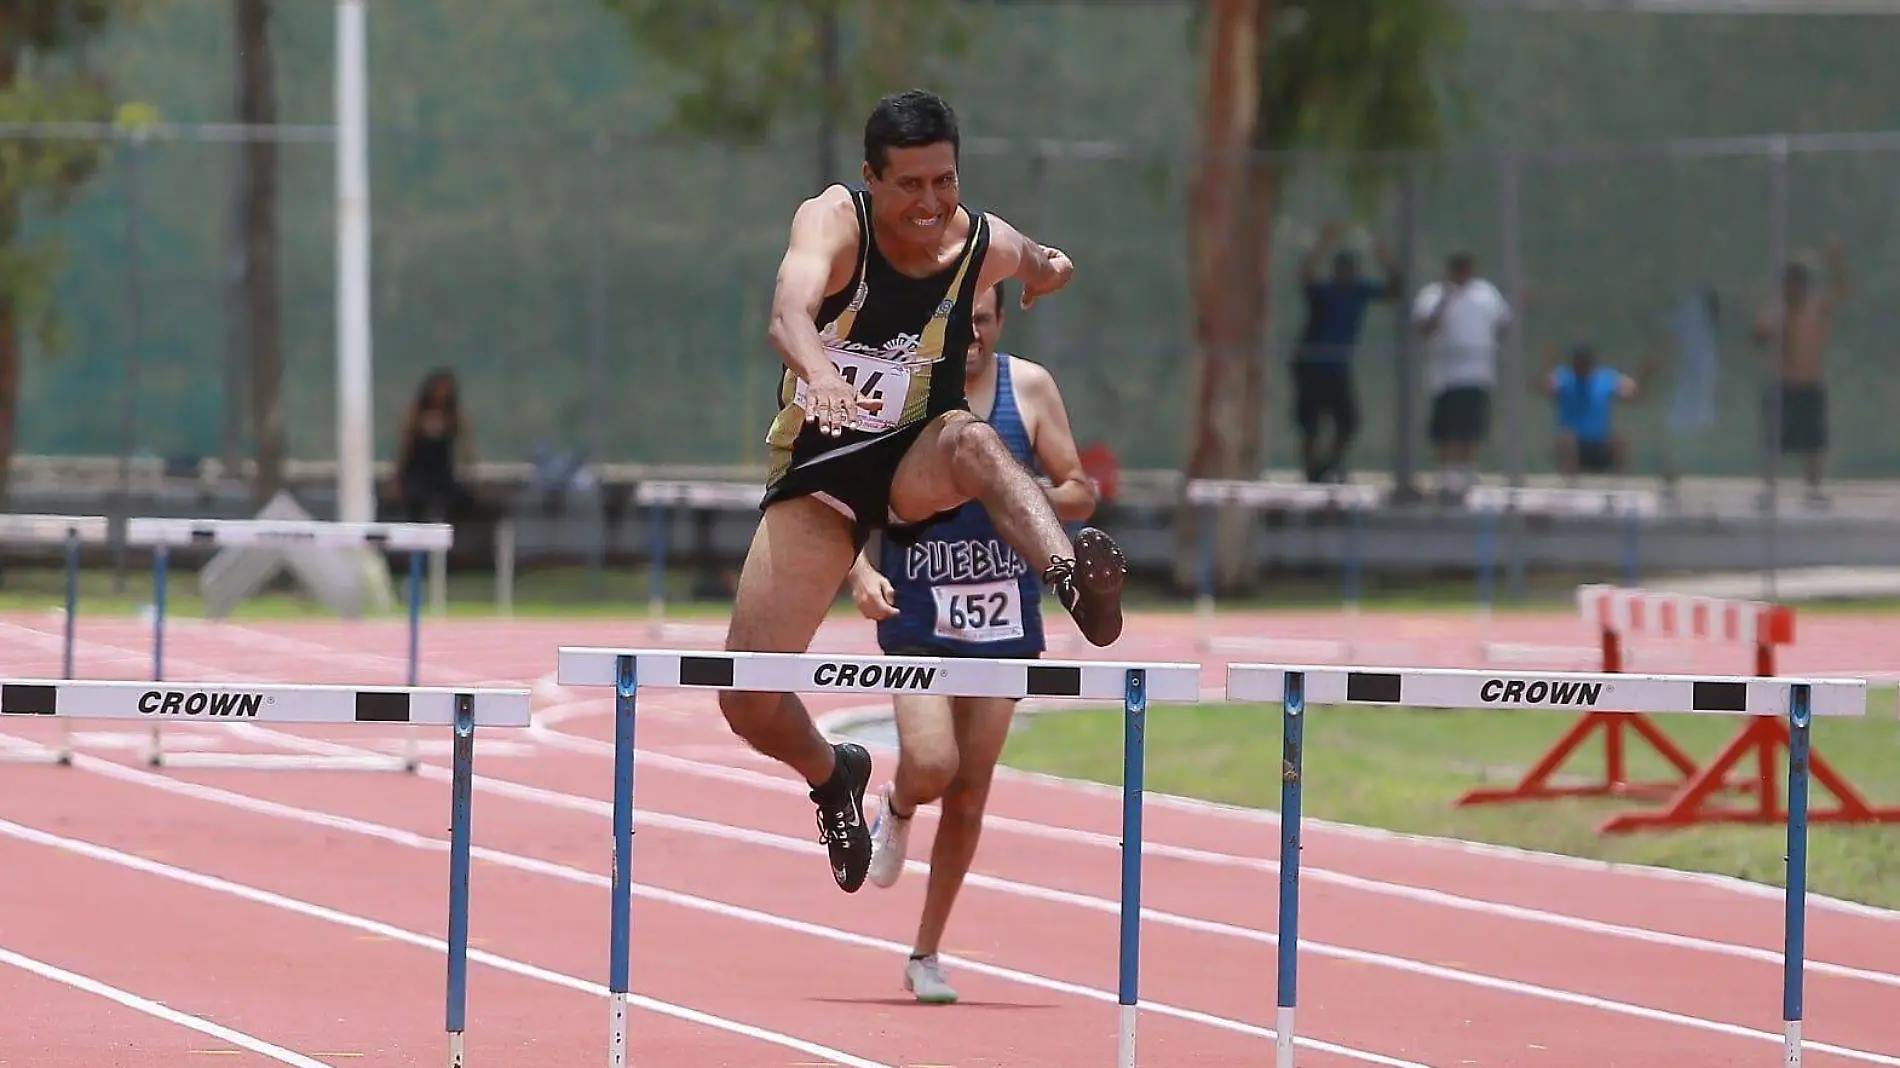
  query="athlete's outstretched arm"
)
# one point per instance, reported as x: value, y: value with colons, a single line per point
x: 1042, y: 270
x: 823, y: 228
x: 1071, y: 492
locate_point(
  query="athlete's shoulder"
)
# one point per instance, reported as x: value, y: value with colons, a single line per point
x: 1027, y: 373
x: 826, y: 225
x: 837, y: 203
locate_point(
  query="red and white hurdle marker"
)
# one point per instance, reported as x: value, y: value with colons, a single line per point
x: 1763, y: 626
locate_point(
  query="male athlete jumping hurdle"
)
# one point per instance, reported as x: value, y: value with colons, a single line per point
x: 959, y: 591
x: 871, y: 316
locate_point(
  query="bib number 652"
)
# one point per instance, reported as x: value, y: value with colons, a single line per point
x: 984, y: 612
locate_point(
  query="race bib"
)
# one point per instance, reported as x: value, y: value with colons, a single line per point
x: 882, y: 380
x: 979, y: 612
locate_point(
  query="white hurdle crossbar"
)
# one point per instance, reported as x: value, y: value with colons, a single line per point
x: 1134, y: 684
x: 1295, y: 688
x: 461, y: 709
x: 163, y: 535
x: 70, y: 531
x: 659, y: 495
x: 1305, y: 498
x: 1491, y: 503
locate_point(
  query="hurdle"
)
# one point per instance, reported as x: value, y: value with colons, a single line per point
x: 1791, y: 700
x: 70, y: 531
x: 1764, y: 626
x: 163, y: 535
x: 1613, y: 611
x: 1134, y: 684
x: 461, y: 709
x: 1304, y: 498
x: 659, y: 496
x: 1492, y: 503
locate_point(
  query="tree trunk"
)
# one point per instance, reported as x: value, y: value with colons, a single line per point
x: 9, y: 376
x: 257, y: 106
x: 1226, y: 409
x: 9, y: 321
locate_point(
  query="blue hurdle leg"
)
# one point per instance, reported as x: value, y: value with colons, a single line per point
x: 72, y: 600
x: 1204, y: 573
x: 1799, y: 714
x: 160, y: 566
x: 626, y: 685
x: 1487, y: 558
x: 1134, y: 730
x: 459, y: 816
x: 1292, y: 741
x: 65, y: 756
x: 656, y: 578
x: 415, y: 616
x: 411, y: 759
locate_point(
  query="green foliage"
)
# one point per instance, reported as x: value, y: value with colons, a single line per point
x: 40, y: 168
x: 748, y: 67
x: 42, y: 171
x: 1360, y: 76
x: 49, y: 26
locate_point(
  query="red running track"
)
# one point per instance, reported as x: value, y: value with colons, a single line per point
x: 303, y: 911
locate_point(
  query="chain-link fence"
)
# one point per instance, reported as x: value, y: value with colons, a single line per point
x: 609, y: 294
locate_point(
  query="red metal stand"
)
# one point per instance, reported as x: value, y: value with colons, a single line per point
x: 1747, y: 765
x: 1616, y: 727
x: 1765, y: 738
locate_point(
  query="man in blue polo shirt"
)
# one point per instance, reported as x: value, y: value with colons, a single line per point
x: 1322, y: 372
x: 1584, y: 391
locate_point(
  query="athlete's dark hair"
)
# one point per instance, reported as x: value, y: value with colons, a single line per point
x: 910, y: 119
x: 1001, y: 295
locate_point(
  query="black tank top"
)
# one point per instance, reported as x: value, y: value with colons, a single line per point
x: 894, y: 336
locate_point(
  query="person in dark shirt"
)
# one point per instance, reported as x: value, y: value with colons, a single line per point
x: 1322, y: 359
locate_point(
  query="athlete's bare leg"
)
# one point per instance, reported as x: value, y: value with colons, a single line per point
x: 799, y: 557
x: 800, y: 554
x: 959, y: 458
x: 982, y: 728
x: 926, y: 751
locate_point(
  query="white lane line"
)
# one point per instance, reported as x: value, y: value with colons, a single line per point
x: 533, y: 865
x: 154, y: 1009
x: 1424, y: 895
x: 398, y: 934
x: 1480, y: 980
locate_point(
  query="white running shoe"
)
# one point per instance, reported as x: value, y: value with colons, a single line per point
x: 923, y: 976
x: 890, y: 837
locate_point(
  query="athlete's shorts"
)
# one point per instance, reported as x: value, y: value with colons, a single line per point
x: 924, y: 650
x: 855, y: 479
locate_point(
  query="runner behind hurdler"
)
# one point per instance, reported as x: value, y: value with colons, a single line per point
x: 871, y: 316
x: 960, y: 591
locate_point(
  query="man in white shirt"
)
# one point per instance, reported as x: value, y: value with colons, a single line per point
x: 1462, y: 320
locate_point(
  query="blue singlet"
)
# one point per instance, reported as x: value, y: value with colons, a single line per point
x: 961, y: 590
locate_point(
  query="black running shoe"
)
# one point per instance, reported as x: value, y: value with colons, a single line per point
x: 841, y: 825
x: 1090, y: 586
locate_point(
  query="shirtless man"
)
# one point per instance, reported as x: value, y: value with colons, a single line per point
x: 1796, y: 328
x: 960, y: 592
x: 871, y: 316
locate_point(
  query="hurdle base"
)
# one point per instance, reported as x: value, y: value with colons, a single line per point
x: 1764, y: 740
x: 1536, y: 785
x: 37, y: 755
x: 281, y: 762
x: 1632, y: 791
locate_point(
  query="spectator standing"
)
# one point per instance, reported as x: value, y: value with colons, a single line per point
x: 1584, y: 392
x: 1462, y: 319
x: 1322, y: 360
x: 1796, y: 328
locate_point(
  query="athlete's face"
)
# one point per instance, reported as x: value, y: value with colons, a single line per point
x: 987, y: 318
x: 917, y: 192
